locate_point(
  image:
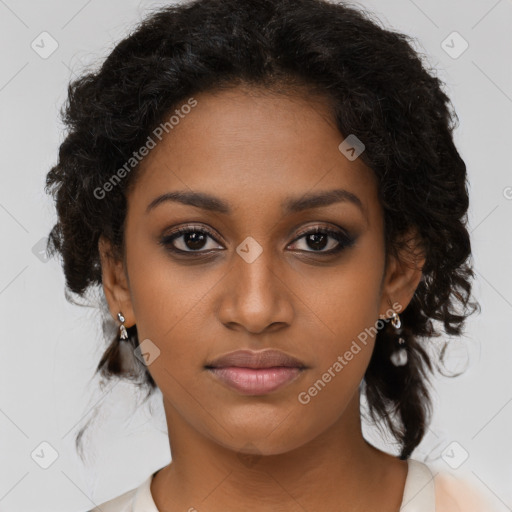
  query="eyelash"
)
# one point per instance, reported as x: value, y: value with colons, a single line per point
x: 344, y: 241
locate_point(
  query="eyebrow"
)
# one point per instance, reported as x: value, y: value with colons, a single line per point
x: 290, y: 205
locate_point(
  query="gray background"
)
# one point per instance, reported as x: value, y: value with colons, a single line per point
x: 50, y: 347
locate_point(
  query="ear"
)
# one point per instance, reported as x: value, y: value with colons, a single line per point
x: 115, y: 283
x: 403, y: 274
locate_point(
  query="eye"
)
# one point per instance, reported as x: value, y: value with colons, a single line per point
x: 320, y: 238
x: 194, y: 239
x: 189, y: 239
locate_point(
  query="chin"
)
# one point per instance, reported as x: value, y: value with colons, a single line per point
x: 261, y: 439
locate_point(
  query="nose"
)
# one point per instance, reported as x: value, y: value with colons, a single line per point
x: 255, y: 296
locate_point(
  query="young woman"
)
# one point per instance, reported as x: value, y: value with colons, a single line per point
x: 269, y: 195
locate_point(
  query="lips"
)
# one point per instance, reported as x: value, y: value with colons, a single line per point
x: 255, y: 373
x: 261, y: 359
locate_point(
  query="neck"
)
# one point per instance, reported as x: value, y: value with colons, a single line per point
x: 338, y: 469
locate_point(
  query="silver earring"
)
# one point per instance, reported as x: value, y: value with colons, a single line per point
x: 122, y: 328
x: 399, y: 356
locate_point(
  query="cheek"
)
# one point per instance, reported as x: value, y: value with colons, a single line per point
x: 166, y: 297
x: 343, y: 302
x: 346, y: 312
x: 167, y: 311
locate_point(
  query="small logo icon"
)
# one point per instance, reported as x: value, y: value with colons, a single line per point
x: 351, y: 147
x: 44, y: 455
x: 146, y: 352
x: 249, y: 249
x: 44, y: 45
x: 249, y: 459
x: 39, y: 250
x: 454, y: 455
x: 454, y: 45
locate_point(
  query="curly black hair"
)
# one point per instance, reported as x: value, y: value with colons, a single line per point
x: 377, y: 88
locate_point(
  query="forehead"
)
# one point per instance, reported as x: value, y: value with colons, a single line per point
x: 251, y: 147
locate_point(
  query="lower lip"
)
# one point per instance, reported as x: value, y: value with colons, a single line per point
x: 255, y: 381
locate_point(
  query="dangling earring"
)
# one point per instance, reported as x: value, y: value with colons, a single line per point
x: 122, y: 328
x: 399, y: 356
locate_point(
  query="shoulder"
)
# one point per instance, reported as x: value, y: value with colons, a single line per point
x: 138, y: 499
x: 428, y: 488
x: 122, y: 503
x: 458, y: 494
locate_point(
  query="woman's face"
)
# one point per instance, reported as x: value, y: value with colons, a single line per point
x: 260, y: 172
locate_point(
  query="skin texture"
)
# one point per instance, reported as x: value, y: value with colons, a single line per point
x: 253, y: 150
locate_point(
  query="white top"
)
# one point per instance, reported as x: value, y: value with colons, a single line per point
x: 419, y: 494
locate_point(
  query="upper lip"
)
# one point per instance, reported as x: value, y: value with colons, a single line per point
x: 251, y: 359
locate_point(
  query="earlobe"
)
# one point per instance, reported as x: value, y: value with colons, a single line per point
x: 403, y: 273
x: 115, y: 283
